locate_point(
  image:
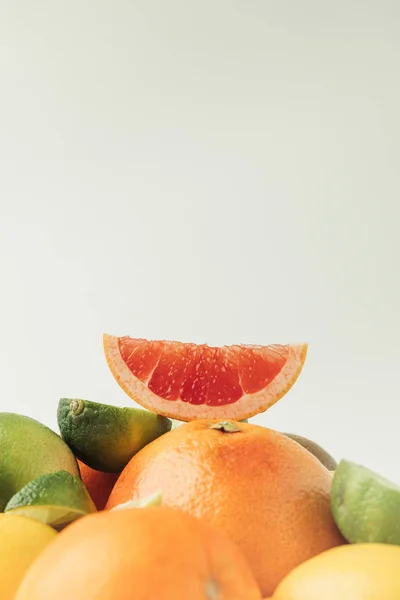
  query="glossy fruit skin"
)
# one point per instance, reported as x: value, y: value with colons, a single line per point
x: 29, y: 449
x: 98, y: 484
x: 266, y: 491
x: 141, y: 553
x: 352, y: 572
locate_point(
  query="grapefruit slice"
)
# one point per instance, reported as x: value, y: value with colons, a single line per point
x: 190, y: 381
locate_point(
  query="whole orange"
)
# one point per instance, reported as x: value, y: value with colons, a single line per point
x: 266, y: 491
x: 98, y: 484
x: 149, y: 553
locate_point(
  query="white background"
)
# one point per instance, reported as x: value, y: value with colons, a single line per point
x: 216, y: 171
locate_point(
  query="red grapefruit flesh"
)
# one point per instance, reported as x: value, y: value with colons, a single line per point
x: 189, y: 381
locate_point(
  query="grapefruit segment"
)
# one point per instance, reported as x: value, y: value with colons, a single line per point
x: 259, y: 366
x: 140, y: 355
x: 167, y: 376
x: 195, y: 385
x: 189, y: 381
x: 223, y: 375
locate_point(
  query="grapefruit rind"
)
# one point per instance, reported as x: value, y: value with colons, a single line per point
x: 247, y: 406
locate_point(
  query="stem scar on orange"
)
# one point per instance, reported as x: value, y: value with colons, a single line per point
x: 189, y: 381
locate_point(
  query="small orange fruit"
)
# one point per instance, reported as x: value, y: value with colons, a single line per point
x: 265, y: 490
x: 98, y: 484
x: 143, y: 553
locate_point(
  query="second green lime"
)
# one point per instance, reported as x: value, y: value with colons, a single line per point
x: 56, y: 499
x: 105, y: 437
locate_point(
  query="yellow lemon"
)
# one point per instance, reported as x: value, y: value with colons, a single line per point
x: 351, y: 572
x: 21, y: 541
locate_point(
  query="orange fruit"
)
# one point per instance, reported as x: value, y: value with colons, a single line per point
x: 98, y: 484
x: 265, y: 490
x: 142, y: 553
x: 189, y: 381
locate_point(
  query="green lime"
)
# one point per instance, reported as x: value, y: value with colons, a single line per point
x: 365, y: 506
x: 106, y: 437
x: 29, y: 449
x: 323, y: 456
x: 56, y: 499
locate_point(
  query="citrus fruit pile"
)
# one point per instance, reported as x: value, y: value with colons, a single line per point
x: 184, y: 498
